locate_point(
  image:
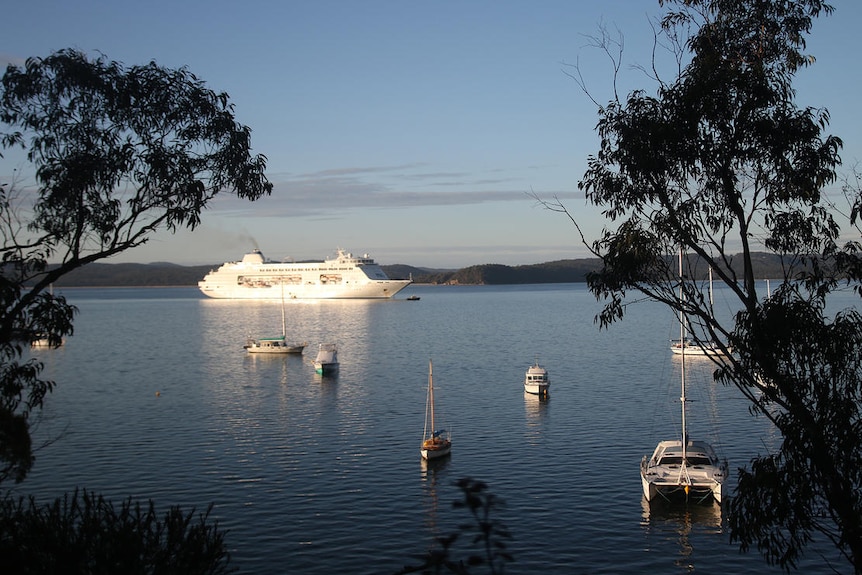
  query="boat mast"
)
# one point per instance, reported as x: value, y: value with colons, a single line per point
x: 682, y: 363
x: 431, y: 395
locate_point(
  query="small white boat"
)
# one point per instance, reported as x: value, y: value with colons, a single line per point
x: 537, y: 381
x: 436, y: 443
x: 327, y: 358
x: 691, y: 347
x: 683, y: 469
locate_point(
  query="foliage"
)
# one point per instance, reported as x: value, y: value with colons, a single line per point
x: 118, y: 153
x: 719, y: 162
x: 86, y: 534
x: 488, y: 536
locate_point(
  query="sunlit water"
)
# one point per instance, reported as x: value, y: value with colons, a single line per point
x: 156, y: 399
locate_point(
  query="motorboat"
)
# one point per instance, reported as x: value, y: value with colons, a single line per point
x: 326, y: 361
x: 536, y: 380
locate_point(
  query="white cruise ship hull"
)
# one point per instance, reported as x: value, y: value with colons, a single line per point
x: 344, y: 277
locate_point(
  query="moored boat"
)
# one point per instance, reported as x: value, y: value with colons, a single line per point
x: 537, y: 381
x: 326, y: 361
x: 343, y: 277
x: 436, y: 443
x: 683, y: 469
x: 276, y: 344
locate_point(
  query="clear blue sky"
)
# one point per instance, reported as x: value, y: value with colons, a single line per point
x: 409, y: 130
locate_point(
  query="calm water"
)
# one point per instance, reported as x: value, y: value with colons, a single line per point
x: 157, y: 399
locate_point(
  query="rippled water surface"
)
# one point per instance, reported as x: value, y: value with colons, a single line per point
x: 157, y: 399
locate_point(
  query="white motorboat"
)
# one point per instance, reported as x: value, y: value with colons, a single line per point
x: 343, y: 277
x: 536, y: 380
x: 326, y: 361
x: 683, y: 469
x: 436, y: 443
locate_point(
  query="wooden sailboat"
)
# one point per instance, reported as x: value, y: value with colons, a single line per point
x: 683, y: 469
x: 277, y: 344
x: 435, y: 442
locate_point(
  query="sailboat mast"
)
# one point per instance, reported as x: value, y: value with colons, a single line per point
x: 431, y: 394
x: 683, y: 334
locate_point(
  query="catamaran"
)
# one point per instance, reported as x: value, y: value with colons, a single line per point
x: 683, y: 469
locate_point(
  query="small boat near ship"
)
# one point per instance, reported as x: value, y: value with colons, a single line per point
x: 343, y: 277
x: 537, y: 381
x: 436, y: 443
x: 326, y: 361
x: 277, y: 344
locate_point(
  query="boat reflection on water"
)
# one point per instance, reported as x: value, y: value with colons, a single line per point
x: 681, y: 522
x: 535, y: 409
x: 433, y: 474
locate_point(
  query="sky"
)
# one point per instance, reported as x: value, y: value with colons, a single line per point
x: 415, y: 132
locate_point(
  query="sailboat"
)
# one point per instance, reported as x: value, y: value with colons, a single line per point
x: 277, y: 344
x: 683, y: 469
x: 435, y: 442
x: 689, y: 346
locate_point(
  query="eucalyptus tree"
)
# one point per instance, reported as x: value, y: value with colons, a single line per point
x: 722, y: 163
x: 118, y: 153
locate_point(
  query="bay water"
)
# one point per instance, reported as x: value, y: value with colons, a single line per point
x: 157, y: 399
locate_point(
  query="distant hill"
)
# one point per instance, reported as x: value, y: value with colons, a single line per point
x: 560, y: 271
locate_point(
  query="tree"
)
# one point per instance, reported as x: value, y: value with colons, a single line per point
x: 119, y: 153
x: 721, y: 162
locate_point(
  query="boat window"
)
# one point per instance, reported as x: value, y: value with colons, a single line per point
x: 671, y: 460
x: 699, y: 461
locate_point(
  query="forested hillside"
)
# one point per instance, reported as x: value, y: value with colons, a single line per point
x: 560, y: 271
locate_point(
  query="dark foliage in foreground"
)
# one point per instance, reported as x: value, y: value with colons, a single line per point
x: 85, y: 534
x: 487, y: 536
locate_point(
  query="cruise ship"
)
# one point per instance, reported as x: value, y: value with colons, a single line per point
x: 343, y: 277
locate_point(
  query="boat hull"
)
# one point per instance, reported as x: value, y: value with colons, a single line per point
x: 436, y: 452
x: 325, y: 368
x: 536, y: 389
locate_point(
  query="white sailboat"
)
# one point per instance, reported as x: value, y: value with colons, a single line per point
x: 683, y: 469
x: 436, y: 443
x: 277, y: 344
x: 688, y: 346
